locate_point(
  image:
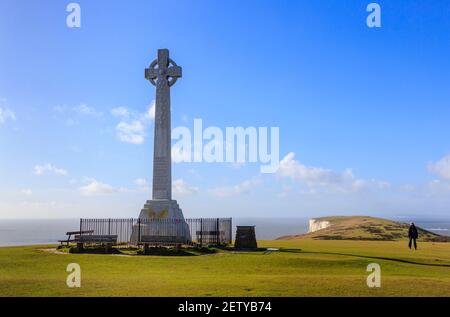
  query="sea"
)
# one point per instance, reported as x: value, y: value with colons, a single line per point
x: 49, y: 231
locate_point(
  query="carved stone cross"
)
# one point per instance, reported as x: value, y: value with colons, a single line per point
x: 163, y: 70
x: 163, y: 73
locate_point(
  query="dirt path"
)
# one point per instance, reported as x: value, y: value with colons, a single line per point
x: 52, y: 250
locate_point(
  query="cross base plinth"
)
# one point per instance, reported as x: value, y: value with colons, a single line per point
x: 161, y: 209
x: 169, y: 222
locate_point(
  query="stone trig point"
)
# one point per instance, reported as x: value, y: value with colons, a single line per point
x: 163, y: 72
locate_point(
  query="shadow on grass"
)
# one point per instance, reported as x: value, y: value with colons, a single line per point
x: 364, y: 256
x: 90, y: 250
x: 190, y: 251
x: 163, y: 251
x: 130, y: 251
x: 233, y: 249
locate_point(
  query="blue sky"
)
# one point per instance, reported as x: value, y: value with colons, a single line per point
x: 364, y: 113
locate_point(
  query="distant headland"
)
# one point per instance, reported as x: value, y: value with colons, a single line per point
x: 361, y: 228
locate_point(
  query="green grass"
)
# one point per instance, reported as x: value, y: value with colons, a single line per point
x: 301, y: 268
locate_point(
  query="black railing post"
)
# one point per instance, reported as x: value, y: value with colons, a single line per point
x: 201, y: 231
x: 217, y: 232
x: 139, y: 231
x: 109, y: 226
x: 230, y: 238
x: 81, y: 225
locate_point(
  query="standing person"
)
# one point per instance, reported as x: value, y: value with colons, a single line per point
x: 413, y: 234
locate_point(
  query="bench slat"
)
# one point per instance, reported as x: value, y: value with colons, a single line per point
x: 210, y: 233
x: 79, y: 232
x: 162, y: 239
x: 96, y: 238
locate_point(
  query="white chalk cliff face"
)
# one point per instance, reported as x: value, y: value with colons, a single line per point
x: 315, y: 225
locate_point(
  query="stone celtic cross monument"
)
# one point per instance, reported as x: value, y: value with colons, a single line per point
x: 163, y: 73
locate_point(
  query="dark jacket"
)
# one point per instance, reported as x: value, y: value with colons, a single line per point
x: 413, y: 233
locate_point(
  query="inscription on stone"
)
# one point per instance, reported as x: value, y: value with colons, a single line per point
x: 245, y: 238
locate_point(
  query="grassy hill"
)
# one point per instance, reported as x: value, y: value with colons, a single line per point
x: 302, y: 267
x: 364, y: 228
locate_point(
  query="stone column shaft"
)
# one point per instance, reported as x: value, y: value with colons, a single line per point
x: 162, y: 171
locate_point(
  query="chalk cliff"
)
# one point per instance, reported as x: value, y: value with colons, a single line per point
x: 317, y: 224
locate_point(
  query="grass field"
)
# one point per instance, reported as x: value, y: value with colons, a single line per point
x: 299, y: 268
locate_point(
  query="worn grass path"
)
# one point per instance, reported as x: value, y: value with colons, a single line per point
x: 300, y: 268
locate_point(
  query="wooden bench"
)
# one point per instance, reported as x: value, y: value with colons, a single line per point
x: 209, y: 236
x: 107, y: 240
x: 71, y: 233
x: 147, y: 240
x: 162, y: 240
x: 210, y: 233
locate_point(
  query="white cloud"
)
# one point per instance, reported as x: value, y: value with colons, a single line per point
x: 49, y: 168
x: 317, y: 177
x: 285, y: 191
x: 39, y: 204
x: 438, y: 186
x: 70, y: 122
x: 60, y: 108
x: 65, y: 114
x: 84, y: 109
x: 237, y: 165
x: 95, y: 188
x: 27, y: 192
x: 408, y: 188
x: 180, y: 187
x: 142, y: 184
x: 6, y: 114
x: 362, y: 184
x: 241, y: 188
x: 120, y: 112
x: 133, y: 132
x: 441, y: 168
x: 150, y: 114
x: 132, y: 128
x: 312, y: 176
